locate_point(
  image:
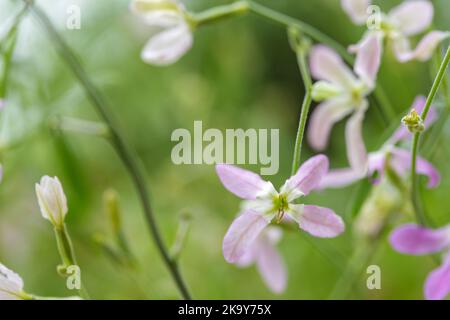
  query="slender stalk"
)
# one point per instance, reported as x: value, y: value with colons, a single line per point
x: 128, y: 157
x: 301, y: 47
x: 420, y: 215
x: 67, y: 254
x: 287, y: 21
x: 220, y: 12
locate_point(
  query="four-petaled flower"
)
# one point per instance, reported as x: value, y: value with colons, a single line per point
x: 174, y: 35
x: 399, y: 159
x: 264, y: 205
x: 417, y: 240
x: 396, y: 27
x: 52, y: 200
x: 342, y: 94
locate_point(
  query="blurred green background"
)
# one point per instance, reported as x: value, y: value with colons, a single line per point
x: 240, y: 73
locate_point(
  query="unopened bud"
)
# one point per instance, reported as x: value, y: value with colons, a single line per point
x: 413, y: 121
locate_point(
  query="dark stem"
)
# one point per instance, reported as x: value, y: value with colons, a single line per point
x: 125, y: 153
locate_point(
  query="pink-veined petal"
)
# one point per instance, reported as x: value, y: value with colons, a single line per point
x: 339, y: 178
x: 271, y: 267
x: 318, y: 221
x: 417, y: 240
x: 376, y: 164
x: 326, y: 64
x: 356, y: 149
x: 401, y: 161
x: 368, y: 58
x: 437, y: 285
x: 356, y: 10
x: 243, y: 183
x: 412, y: 17
x: 11, y: 284
x: 241, y: 234
x: 308, y: 176
x: 322, y: 119
x: 168, y: 46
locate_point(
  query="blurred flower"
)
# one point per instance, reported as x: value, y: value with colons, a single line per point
x: 52, y: 200
x: 263, y: 253
x: 11, y: 285
x: 265, y: 205
x: 402, y: 22
x: 342, y: 94
x: 417, y: 240
x: 173, y: 35
x: 396, y: 158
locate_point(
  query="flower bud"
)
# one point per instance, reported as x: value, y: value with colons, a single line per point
x: 52, y: 200
x: 323, y: 90
x: 414, y: 122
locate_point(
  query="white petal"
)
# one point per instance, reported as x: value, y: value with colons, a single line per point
x: 271, y: 267
x: 326, y: 64
x: 368, y: 58
x: 356, y: 10
x: 324, y: 116
x: 158, y: 13
x: 168, y: 46
x: 356, y: 149
x: 11, y: 284
x: 412, y: 17
x: 424, y: 50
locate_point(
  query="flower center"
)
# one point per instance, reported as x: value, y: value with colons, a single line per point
x: 281, y: 204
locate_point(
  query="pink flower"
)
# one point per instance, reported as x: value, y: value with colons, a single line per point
x: 342, y: 93
x: 263, y: 253
x: 397, y: 158
x: 416, y: 240
x: 264, y: 205
x: 408, y: 19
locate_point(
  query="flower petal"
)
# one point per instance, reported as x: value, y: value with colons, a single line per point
x: 417, y: 240
x: 318, y: 221
x: 308, y: 176
x: 158, y: 13
x: 168, y: 46
x: 11, y: 284
x: 241, y: 234
x: 401, y: 160
x: 339, y: 178
x: 412, y: 17
x: 326, y: 64
x: 356, y: 149
x: 368, y: 58
x: 424, y: 49
x: 271, y: 267
x: 324, y: 116
x: 243, y: 183
x: 437, y: 285
x: 356, y: 10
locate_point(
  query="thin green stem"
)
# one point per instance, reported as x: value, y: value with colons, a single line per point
x: 67, y: 254
x: 420, y: 215
x: 127, y: 156
x: 218, y: 13
x: 301, y: 49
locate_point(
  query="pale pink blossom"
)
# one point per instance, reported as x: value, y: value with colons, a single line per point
x: 342, y: 93
x: 417, y: 240
x: 173, y: 35
x: 390, y: 154
x: 397, y: 27
x: 264, y: 206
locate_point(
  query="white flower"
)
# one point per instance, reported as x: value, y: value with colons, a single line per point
x: 11, y: 285
x: 174, y: 35
x: 52, y: 200
x: 398, y: 26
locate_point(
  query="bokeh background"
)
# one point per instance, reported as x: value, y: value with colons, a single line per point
x: 241, y: 73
